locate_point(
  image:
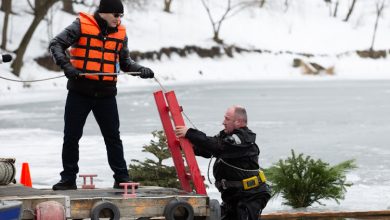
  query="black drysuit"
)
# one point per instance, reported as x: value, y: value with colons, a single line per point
x: 237, y: 158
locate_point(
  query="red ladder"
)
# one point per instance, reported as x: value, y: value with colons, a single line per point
x: 167, y: 107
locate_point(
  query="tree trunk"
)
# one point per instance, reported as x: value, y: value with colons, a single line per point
x: 216, y: 37
x: 67, y: 6
x: 5, y: 31
x: 18, y: 63
x: 350, y: 10
x: 286, y: 5
x: 262, y: 2
x: 6, y: 7
x: 5, y: 4
x: 336, y: 7
x: 379, y: 9
x: 167, y: 6
x: 41, y: 8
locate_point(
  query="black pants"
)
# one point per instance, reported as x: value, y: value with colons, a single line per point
x: 244, y: 206
x: 105, y: 111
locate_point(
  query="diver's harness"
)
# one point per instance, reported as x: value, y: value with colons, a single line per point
x: 246, y: 184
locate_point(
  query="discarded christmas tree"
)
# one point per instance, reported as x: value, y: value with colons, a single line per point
x: 302, y: 181
x: 154, y: 172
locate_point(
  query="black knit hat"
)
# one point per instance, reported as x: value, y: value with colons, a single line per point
x: 110, y: 6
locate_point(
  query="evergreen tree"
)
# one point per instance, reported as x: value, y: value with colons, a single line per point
x: 151, y: 172
x: 303, y: 181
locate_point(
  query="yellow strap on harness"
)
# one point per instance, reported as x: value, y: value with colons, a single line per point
x: 253, y: 181
x: 262, y: 176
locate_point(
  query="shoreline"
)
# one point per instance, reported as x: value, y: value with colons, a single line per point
x: 40, y: 94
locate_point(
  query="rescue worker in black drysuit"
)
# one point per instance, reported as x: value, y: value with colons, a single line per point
x: 236, y: 169
x: 98, y: 45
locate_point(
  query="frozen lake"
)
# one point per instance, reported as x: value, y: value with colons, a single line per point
x: 329, y: 120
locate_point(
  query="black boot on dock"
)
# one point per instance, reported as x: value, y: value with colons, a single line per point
x: 65, y: 185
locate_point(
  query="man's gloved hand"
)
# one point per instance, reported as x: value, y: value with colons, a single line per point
x: 146, y: 73
x: 70, y: 71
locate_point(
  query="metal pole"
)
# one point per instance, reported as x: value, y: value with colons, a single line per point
x: 111, y: 74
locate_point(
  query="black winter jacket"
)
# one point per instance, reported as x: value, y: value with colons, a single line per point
x: 97, y: 88
x: 238, y: 149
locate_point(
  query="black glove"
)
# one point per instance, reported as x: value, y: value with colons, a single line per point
x: 146, y: 73
x: 70, y: 71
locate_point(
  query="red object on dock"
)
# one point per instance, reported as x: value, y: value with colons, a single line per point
x: 50, y: 210
x: 176, y: 146
x: 125, y: 187
x: 85, y: 185
x: 25, y: 177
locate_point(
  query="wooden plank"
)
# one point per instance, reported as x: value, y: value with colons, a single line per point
x: 150, y: 200
x: 138, y: 207
x: 21, y: 190
x: 381, y: 214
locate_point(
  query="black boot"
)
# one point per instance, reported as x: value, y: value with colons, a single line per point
x: 65, y: 185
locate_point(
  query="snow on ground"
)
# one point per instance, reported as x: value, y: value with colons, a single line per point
x: 305, y: 27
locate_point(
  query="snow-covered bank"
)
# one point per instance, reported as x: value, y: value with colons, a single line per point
x: 304, y: 27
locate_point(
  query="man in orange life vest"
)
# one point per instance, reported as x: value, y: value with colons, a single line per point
x: 98, y: 44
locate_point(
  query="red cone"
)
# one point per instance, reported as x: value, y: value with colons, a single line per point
x: 25, y: 178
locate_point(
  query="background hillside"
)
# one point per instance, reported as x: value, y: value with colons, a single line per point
x: 336, y: 115
x: 274, y: 35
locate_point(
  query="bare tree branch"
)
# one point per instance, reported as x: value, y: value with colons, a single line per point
x: 167, y: 6
x: 230, y: 11
x: 67, y: 6
x: 241, y: 6
x: 262, y: 2
x: 7, y: 7
x: 41, y: 8
x: 350, y: 10
x: 31, y: 6
x: 380, y: 5
x: 336, y: 7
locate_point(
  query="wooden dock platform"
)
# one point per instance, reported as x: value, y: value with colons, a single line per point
x: 150, y: 204
x: 150, y: 201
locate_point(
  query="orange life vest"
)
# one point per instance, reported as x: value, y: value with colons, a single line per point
x: 95, y: 53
